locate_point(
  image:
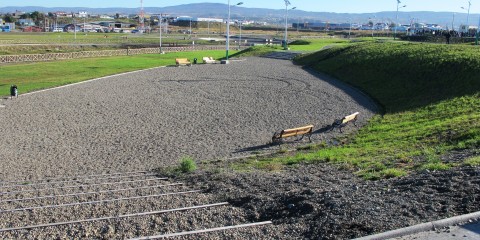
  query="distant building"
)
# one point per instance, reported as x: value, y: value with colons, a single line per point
x: 209, y: 20
x: 61, y: 14
x: 32, y: 29
x: 5, y: 28
x: 17, y: 14
x: 82, y: 14
x: 106, y: 17
x: 26, y: 22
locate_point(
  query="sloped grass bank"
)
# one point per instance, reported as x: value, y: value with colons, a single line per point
x: 402, y: 76
x: 431, y: 96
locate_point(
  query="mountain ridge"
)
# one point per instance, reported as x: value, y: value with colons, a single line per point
x: 219, y: 10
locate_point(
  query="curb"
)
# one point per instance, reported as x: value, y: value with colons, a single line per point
x: 423, y: 227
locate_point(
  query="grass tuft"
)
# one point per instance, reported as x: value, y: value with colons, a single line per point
x: 187, y: 165
x: 473, y: 161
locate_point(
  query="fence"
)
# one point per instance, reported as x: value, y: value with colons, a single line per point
x: 105, y: 53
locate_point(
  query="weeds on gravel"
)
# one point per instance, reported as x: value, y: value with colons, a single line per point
x: 187, y: 165
x: 473, y: 161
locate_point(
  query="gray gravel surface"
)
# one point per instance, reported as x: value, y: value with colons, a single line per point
x: 324, y: 201
x: 147, y: 120
x: 150, y: 119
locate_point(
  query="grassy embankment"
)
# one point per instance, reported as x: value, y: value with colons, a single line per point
x: 307, y: 45
x: 35, y: 76
x: 431, y: 97
x: 38, y: 43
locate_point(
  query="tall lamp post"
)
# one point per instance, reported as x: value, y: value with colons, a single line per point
x: 228, y: 31
x: 468, y: 12
x: 396, y: 19
x: 160, y: 19
x: 477, y: 32
x: 240, y: 39
x: 285, y: 45
x: 373, y: 24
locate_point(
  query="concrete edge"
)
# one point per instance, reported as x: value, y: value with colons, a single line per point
x: 423, y: 227
x: 87, y: 81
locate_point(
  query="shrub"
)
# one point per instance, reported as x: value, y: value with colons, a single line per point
x: 187, y: 164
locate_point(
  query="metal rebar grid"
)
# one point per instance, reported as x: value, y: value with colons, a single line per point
x: 115, y: 217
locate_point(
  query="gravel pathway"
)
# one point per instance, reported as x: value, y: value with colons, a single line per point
x: 150, y: 119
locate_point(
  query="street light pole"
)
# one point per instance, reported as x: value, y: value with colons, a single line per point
x: 468, y: 15
x: 396, y: 19
x: 228, y: 31
x: 350, y: 28
x: 453, y: 22
x: 285, y: 45
x: 468, y: 11
x: 240, y: 39
x: 373, y: 24
x: 160, y: 29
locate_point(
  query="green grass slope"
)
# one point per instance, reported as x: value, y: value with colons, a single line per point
x: 35, y: 76
x: 431, y: 94
x: 402, y: 76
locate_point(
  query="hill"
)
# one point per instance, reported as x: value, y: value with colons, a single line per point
x: 261, y: 14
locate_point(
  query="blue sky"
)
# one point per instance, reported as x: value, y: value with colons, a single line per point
x: 340, y: 6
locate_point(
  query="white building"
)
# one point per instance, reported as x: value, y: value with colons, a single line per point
x: 210, y: 20
x: 82, y: 14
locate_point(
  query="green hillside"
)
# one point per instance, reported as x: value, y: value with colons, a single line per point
x: 403, y: 76
x: 431, y: 99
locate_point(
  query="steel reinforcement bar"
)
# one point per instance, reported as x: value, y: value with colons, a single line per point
x: 27, y: 184
x: 71, y: 177
x: 203, y: 231
x: 98, y: 201
x: 83, y: 185
x: 88, y: 193
x: 114, y: 217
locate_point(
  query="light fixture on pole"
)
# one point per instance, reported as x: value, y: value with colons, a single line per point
x: 396, y: 19
x: 350, y: 28
x: 477, y: 32
x: 285, y: 45
x: 228, y: 32
x: 453, y: 22
x: 240, y: 39
x: 468, y: 13
x: 373, y: 24
x: 160, y: 19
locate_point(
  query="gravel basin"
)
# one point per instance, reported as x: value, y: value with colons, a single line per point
x: 153, y: 118
x: 87, y: 151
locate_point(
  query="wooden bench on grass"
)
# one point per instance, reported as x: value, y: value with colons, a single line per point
x: 182, y: 61
x: 208, y: 60
x: 340, y: 123
x: 300, y: 131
